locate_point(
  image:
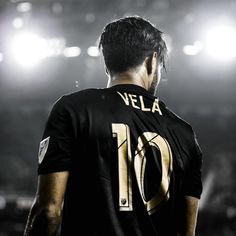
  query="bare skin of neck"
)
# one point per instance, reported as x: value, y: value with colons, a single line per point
x: 137, y: 76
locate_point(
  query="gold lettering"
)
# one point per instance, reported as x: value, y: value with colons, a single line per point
x: 125, y: 98
x: 122, y: 133
x: 146, y: 140
x: 143, y: 108
x: 133, y: 100
x: 155, y: 107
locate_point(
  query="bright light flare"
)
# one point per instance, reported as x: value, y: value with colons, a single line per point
x: 93, y: 51
x: 192, y: 50
x: 72, y: 52
x: 220, y: 42
x: 24, y: 7
x: 17, y: 23
x: 28, y: 49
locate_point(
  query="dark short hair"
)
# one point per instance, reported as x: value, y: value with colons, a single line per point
x: 126, y: 42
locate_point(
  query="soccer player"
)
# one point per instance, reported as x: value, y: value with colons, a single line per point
x: 116, y: 161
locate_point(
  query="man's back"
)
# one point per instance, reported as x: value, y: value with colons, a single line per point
x: 131, y: 161
x: 119, y: 160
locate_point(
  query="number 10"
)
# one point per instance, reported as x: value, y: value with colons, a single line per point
x: 146, y: 140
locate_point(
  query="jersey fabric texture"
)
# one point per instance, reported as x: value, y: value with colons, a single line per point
x: 131, y: 162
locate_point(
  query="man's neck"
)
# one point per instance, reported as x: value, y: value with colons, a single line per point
x: 127, y: 78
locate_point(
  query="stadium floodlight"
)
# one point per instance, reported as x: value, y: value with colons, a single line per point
x: 220, y: 42
x: 17, y: 23
x: 72, y: 52
x: 24, y: 7
x: 93, y: 51
x: 193, y: 50
x: 28, y: 49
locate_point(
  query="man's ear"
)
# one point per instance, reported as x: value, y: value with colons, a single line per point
x: 151, y: 62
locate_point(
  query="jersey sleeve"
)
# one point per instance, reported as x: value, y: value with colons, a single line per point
x: 193, y: 178
x: 55, y: 150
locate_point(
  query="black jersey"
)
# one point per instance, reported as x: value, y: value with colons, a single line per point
x: 131, y: 161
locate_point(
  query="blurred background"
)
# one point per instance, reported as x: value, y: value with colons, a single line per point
x: 49, y: 48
